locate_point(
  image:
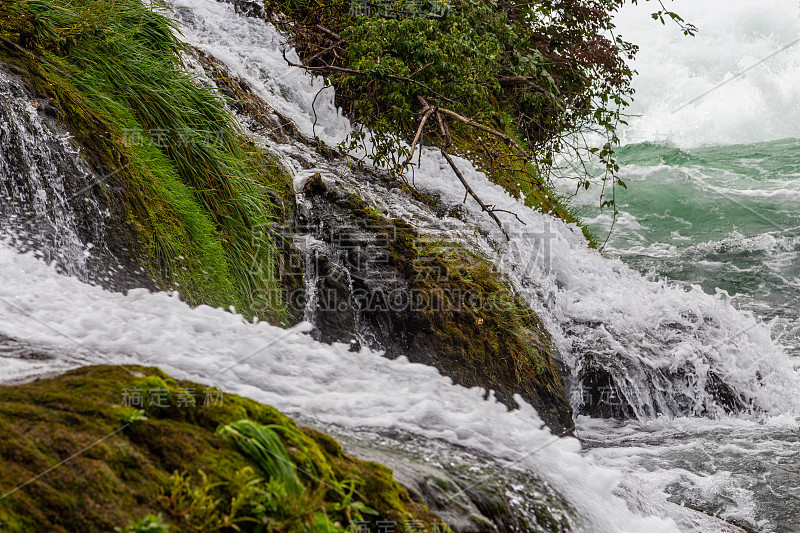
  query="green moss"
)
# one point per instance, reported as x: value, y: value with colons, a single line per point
x: 443, y: 484
x: 127, y: 471
x: 486, y: 323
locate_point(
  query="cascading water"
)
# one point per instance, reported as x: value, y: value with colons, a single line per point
x: 50, y: 200
x: 321, y: 384
x: 661, y: 348
x: 737, y: 81
x: 712, y: 164
x: 657, y: 347
x: 36, y: 162
x: 670, y: 352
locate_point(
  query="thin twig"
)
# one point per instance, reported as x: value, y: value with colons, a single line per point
x: 420, y: 70
x: 484, y: 207
x: 314, y: 109
x: 321, y: 52
x: 330, y: 33
x: 513, y: 81
x: 496, y: 210
x: 487, y: 129
x: 417, y: 136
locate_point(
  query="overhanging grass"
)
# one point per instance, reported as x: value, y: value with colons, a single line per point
x: 196, y: 197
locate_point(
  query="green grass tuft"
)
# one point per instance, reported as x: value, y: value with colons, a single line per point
x: 194, y: 191
x: 264, y: 446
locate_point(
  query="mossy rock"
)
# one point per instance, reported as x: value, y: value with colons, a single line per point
x: 72, y: 458
x: 193, y: 199
x: 433, y: 301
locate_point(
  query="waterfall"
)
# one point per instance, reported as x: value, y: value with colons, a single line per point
x: 39, y: 171
x: 631, y: 346
x: 51, y: 202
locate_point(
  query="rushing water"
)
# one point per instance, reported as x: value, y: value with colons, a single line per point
x: 659, y: 338
x: 37, y: 164
x: 712, y: 200
x: 722, y: 217
x: 51, y: 202
x: 725, y: 218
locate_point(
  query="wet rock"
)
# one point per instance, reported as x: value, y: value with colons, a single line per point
x: 379, y: 281
x: 469, y: 491
x: 602, y: 395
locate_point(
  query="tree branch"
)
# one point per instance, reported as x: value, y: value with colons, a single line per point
x: 484, y: 207
x: 362, y: 73
x: 487, y: 129
x: 514, y: 81
x: 328, y: 32
x: 325, y: 50
x: 427, y: 113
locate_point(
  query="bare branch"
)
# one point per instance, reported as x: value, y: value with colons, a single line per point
x: 463, y: 181
x: 324, y: 51
x: 420, y: 69
x: 493, y: 209
x: 487, y: 129
x: 516, y: 81
x: 427, y: 113
x: 328, y: 32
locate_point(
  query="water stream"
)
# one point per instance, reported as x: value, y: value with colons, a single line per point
x: 712, y: 202
x: 711, y: 386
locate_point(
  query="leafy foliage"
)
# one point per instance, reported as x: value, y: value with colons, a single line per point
x: 128, y: 415
x: 549, y: 75
x: 278, y: 503
x: 246, y: 503
x: 539, y: 72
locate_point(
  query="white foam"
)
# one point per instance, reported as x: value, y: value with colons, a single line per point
x: 252, y: 51
x: 741, y: 469
x: 673, y: 70
x: 296, y: 374
x: 574, y: 287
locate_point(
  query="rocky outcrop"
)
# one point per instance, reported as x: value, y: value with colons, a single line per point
x: 379, y: 283
x: 471, y: 498
x: 148, y: 445
x: 382, y: 283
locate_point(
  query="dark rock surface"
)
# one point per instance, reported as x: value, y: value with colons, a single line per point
x: 378, y: 282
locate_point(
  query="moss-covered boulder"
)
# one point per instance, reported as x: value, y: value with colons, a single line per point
x: 431, y: 300
x: 101, y: 447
